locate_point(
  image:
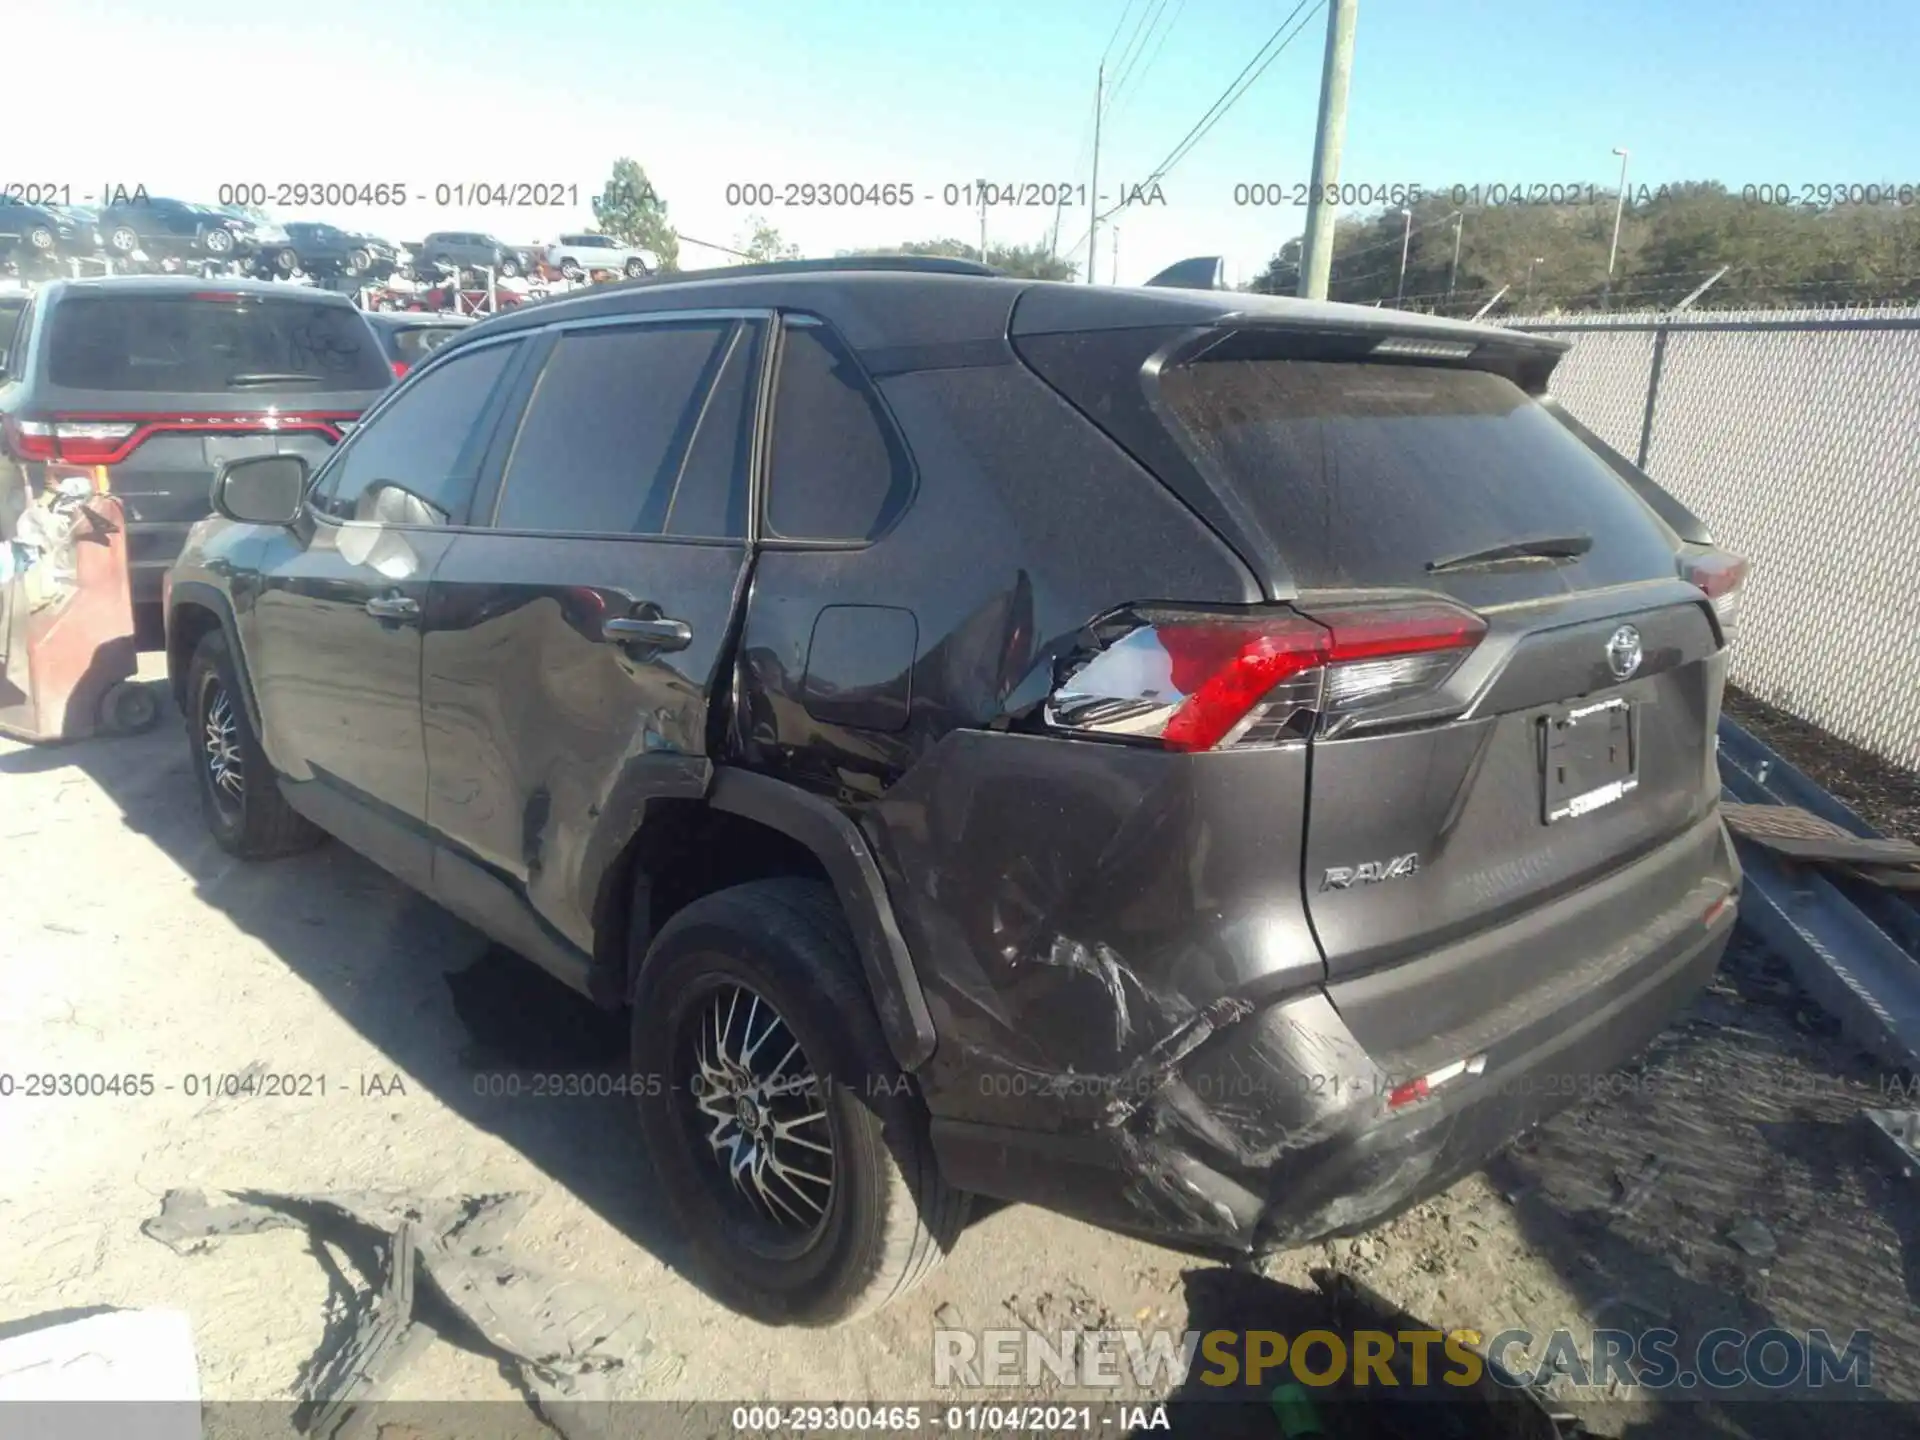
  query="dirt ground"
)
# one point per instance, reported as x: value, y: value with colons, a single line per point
x: 131, y: 944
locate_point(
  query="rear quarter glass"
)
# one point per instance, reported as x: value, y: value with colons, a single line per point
x: 1364, y: 473
x: 184, y: 345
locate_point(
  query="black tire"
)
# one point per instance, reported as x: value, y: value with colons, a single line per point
x: 636, y: 267
x: 219, y: 241
x: 359, y: 262
x: 570, y: 268
x: 40, y: 238
x: 509, y: 269
x: 123, y: 239
x: 889, y: 1217
x: 128, y: 708
x: 253, y: 819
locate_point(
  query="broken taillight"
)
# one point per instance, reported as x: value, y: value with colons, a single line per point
x: 1207, y: 682
x: 1721, y: 576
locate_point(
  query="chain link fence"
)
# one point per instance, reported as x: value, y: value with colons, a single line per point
x: 1796, y: 436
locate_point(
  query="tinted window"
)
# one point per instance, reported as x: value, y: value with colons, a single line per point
x: 1363, y: 473
x: 711, y: 498
x: 423, y: 447
x: 185, y: 345
x: 12, y: 307
x: 611, y: 419
x: 837, y: 472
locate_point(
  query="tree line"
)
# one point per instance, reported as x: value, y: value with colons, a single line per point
x: 1775, y: 250
x: 1672, y: 239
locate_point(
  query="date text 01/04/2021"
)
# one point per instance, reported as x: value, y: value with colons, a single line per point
x: 379, y: 194
x: 901, y: 194
x: 262, y: 1083
x: 968, y: 1419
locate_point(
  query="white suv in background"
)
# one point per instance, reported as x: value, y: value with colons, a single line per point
x: 577, y: 255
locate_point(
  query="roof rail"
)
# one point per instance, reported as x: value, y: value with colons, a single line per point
x: 916, y: 264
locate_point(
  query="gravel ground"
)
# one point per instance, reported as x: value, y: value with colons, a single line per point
x: 1885, y: 795
x: 132, y: 944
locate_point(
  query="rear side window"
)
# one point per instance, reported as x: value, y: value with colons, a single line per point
x: 180, y: 344
x: 838, y: 472
x: 11, y: 309
x: 416, y: 461
x: 414, y: 343
x: 610, y: 427
x: 1365, y: 473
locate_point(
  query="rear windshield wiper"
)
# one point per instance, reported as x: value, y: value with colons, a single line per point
x: 272, y: 377
x: 1544, y: 547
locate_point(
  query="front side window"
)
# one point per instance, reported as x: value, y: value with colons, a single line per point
x: 416, y: 461
x: 627, y: 426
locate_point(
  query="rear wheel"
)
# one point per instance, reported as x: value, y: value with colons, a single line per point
x: 793, y: 1151
x: 509, y: 268
x: 570, y: 268
x: 636, y: 267
x: 219, y: 242
x: 124, y: 239
x: 238, y: 793
x: 40, y: 238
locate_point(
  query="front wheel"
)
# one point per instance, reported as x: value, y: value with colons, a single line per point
x: 509, y: 269
x: 220, y: 242
x: 124, y: 239
x: 636, y: 267
x: 791, y: 1148
x: 570, y: 268
x: 238, y: 793
x: 40, y: 238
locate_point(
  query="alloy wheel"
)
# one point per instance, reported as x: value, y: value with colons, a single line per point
x: 221, y: 745
x: 763, y: 1114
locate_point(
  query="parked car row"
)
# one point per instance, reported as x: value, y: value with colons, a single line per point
x: 159, y: 230
x: 190, y: 373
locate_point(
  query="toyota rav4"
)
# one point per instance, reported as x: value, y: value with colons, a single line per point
x: 1213, y: 765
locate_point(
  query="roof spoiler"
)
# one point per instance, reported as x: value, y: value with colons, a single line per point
x: 1199, y: 272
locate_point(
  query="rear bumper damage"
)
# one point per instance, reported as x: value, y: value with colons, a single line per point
x: 1150, y: 1044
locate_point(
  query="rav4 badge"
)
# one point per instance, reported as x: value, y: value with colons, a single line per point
x: 1372, y: 872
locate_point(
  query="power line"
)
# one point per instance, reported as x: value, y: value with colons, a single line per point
x: 1147, y: 66
x: 1235, y: 89
x: 1124, y: 9
x: 1136, y: 47
x: 1239, y: 86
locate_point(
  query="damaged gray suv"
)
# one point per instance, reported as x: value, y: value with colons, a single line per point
x: 1212, y: 765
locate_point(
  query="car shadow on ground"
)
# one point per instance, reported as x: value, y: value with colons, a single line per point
x: 501, y: 1043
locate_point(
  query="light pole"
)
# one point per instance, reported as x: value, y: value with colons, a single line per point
x: 1619, y: 207
x: 1453, y: 270
x: 1406, y: 240
x: 1530, y: 264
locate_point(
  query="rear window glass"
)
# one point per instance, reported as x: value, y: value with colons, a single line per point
x: 182, y: 345
x: 1364, y: 473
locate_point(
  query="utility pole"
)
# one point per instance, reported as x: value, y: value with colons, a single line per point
x: 983, y: 223
x: 1619, y: 206
x: 1116, y: 256
x: 1316, y: 246
x: 1406, y: 241
x: 1530, y: 264
x: 1453, y: 271
x: 1093, y: 190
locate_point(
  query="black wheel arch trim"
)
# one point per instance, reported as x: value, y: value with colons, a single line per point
x: 209, y: 597
x: 836, y: 842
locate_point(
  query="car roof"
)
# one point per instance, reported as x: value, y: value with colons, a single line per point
x: 906, y: 303
x: 54, y: 290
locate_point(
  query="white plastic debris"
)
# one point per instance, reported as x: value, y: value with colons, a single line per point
x: 57, y: 1383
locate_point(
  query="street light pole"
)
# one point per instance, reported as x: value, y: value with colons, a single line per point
x: 1093, y: 190
x: 1530, y: 264
x: 1406, y: 241
x: 1619, y: 207
x: 1453, y: 270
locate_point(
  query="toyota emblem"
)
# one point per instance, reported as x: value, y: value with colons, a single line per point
x: 1623, y: 652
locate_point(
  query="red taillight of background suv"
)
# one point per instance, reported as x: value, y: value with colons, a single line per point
x: 1721, y: 576
x: 1203, y: 682
x: 101, y: 439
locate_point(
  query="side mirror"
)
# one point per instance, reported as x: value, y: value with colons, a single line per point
x: 261, y: 490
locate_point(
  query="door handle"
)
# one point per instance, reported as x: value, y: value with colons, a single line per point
x: 662, y: 634
x: 393, y: 607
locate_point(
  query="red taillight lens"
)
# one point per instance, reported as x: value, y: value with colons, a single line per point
x: 399, y: 369
x: 1209, y: 683
x: 29, y: 439
x: 80, y: 442
x: 80, y: 439
x: 1721, y: 576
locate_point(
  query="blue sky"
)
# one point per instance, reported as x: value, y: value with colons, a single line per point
x: 185, y: 98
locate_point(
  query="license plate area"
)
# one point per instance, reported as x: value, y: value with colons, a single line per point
x: 1588, y: 759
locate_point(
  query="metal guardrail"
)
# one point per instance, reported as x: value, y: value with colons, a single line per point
x: 1854, y: 945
